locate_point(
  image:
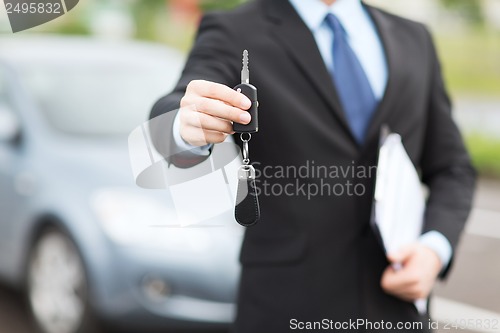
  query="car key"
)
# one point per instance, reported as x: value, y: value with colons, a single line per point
x: 247, y: 208
x: 251, y: 92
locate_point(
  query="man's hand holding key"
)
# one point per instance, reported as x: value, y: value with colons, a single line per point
x: 208, y: 110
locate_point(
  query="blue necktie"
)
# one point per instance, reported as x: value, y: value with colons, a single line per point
x: 353, y: 87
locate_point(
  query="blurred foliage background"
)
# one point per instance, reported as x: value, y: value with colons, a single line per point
x: 467, y: 34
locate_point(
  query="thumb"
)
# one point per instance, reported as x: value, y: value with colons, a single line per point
x: 402, y: 255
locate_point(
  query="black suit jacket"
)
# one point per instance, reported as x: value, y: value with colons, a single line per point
x: 317, y: 258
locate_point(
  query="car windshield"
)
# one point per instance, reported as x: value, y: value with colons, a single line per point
x: 98, y: 99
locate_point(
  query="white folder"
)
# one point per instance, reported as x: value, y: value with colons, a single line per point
x: 399, y: 204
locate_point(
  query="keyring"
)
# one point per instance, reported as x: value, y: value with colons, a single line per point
x: 246, y: 158
x: 245, y: 140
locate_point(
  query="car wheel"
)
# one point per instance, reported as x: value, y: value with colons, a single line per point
x: 57, y: 286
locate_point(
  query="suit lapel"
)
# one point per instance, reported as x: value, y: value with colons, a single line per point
x: 395, y: 61
x: 291, y: 32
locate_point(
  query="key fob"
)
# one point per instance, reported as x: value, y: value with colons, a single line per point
x: 251, y: 92
x: 247, y: 209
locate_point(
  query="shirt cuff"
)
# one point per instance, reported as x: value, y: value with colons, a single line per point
x: 183, y: 145
x: 437, y: 242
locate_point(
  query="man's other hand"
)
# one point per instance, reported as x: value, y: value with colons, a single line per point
x: 420, y: 267
x: 208, y: 111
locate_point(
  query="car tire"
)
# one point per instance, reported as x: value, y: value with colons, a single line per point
x: 57, y: 288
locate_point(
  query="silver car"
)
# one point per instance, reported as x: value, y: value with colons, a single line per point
x: 76, y: 233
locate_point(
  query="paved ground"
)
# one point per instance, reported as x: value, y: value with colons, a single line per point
x: 13, y: 317
x: 471, y: 296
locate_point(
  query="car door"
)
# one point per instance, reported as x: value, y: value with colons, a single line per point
x: 10, y: 153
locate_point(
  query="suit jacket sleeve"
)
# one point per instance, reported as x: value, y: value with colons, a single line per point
x: 446, y: 165
x: 211, y: 60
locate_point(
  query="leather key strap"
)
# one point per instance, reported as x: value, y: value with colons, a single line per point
x: 247, y: 210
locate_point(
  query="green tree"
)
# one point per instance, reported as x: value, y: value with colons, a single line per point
x: 207, y: 5
x: 146, y: 13
x: 470, y: 10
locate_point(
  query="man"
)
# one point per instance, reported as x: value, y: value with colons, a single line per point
x: 329, y: 75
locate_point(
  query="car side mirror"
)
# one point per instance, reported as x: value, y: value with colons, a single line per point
x: 9, y: 124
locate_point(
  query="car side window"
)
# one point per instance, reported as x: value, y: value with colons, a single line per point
x: 5, y: 98
x: 4, y: 94
x: 10, y: 127
x: 3, y: 87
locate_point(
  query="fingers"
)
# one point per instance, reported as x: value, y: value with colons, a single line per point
x: 200, y: 137
x: 206, y: 122
x: 218, y: 109
x: 219, y: 92
x: 396, y: 279
x: 420, y: 267
x: 404, y: 284
x: 399, y: 279
x: 403, y: 255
